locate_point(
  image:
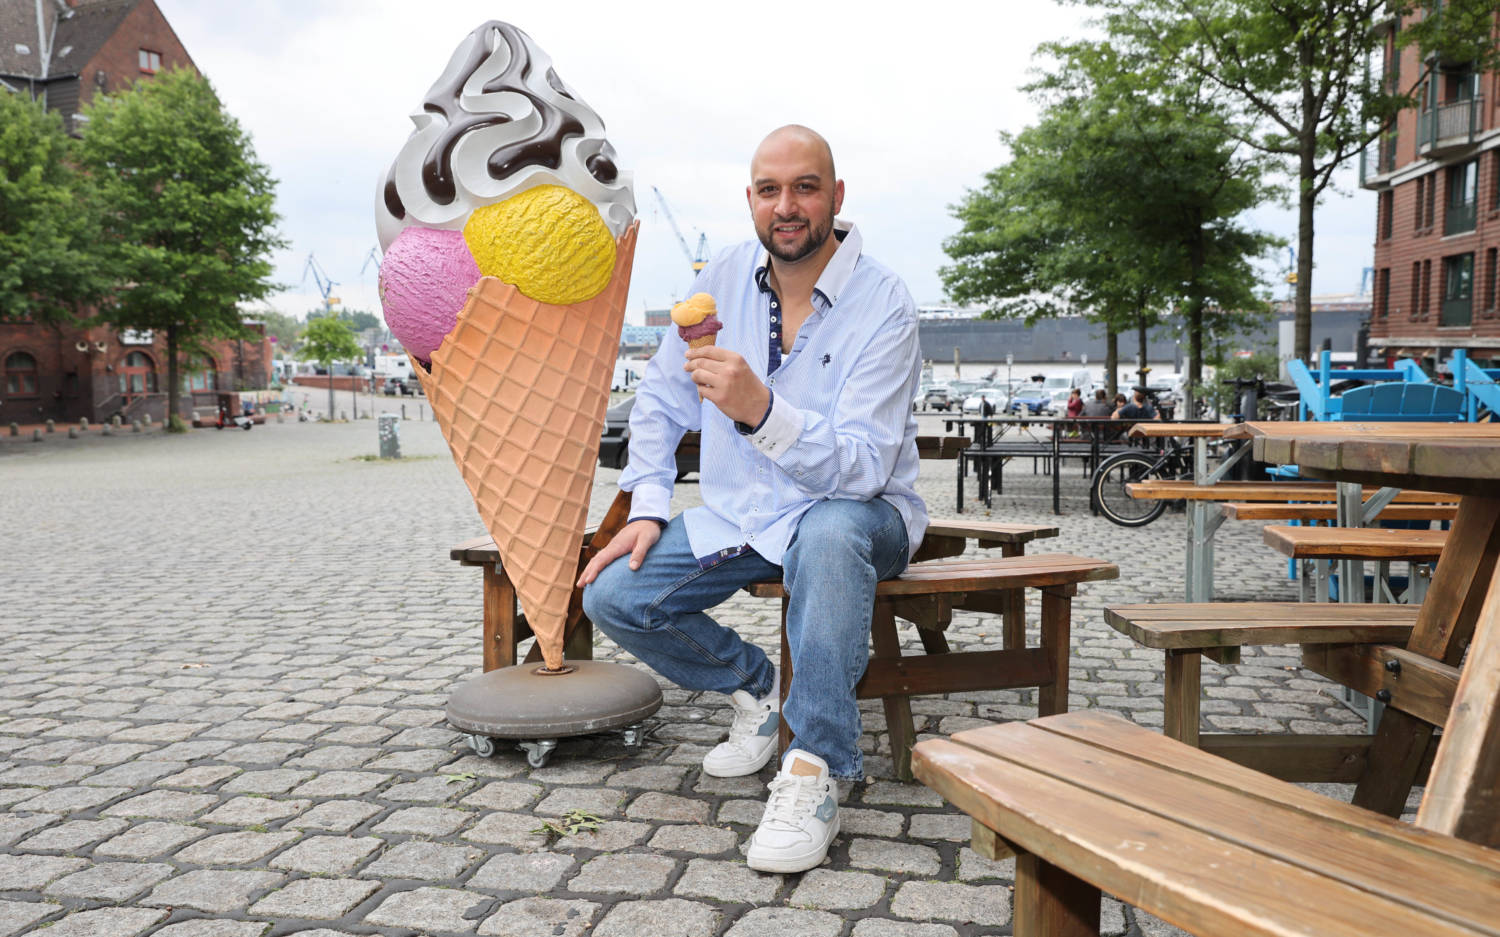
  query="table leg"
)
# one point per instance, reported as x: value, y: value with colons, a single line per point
x: 1013, y: 618
x: 898, y: 719
x: 1181, y: 695
x: 499, y: 619
x: 1057, y: 611
x: 962, y: 459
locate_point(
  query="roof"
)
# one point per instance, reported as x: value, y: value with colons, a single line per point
x: 74, y: 35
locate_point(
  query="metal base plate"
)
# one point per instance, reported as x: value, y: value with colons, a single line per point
x: 520, y: 703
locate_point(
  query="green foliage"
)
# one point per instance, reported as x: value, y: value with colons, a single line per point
x: 1121, y: 201
x: 287, y: 329
x: 575, y: 821
x: 49, y: 261
x: 189, y: 214
x: 328, y: 340
x: 1262, y: 364
x: 1292, y: 78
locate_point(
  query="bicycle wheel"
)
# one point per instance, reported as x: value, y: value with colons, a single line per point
x: 1107, y: 489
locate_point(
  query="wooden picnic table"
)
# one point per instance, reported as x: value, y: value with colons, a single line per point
x: 1091, y: 802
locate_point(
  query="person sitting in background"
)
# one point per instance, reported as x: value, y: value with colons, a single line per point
x: 1138, y: 408
x: 1098, y: 407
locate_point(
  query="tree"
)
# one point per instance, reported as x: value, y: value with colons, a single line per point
x: 326, y: 340
x: 49, y: 263
x: 1296, y: 76
x: 286, y: 329
x: 1122, y: 199
x: 188, y: 212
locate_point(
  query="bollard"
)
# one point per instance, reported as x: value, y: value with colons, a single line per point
x: 36, y: 435
x: 51, y: 426
x: 343, y: 416
x: 83, y: 422
x: 135, y: 426
x: 72, y: 432
x: 390, y: 436
x: 106, y: 430
x: 115, y: 421
x: 403, y: 411
x: 278, y: 417
x: 147, y: 420
x: 15, y: 429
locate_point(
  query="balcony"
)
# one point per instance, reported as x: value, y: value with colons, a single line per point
x: 1449, y: 128
x: 1377, y: 161
x: 1460, y: 219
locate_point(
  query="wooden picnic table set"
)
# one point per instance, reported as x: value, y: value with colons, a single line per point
x: 1206, y: 831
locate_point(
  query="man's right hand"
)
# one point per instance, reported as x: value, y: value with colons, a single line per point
x: 635, y: 538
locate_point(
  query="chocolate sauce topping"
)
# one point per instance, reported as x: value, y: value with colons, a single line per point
x: 542, y: 149
x: 602, y: 167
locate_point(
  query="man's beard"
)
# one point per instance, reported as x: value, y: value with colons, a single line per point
x: 815, y: 238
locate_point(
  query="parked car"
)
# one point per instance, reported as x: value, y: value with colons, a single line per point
x: 614, y: 442
x: 936, y: 398
x: 1032, y: 399
x: 995, y: 396
x: 395, y: 387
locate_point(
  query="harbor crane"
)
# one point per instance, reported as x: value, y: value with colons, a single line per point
x: 373, y: 255
x: 697, y: 260
x: 325, y: 285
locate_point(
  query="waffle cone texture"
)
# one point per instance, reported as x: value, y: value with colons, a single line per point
x: 519, y: 388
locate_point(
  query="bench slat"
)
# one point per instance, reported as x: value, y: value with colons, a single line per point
x: 1376, y: 543
x: 1263, y: 491
x: 1270, y: 511
x: 978, y: 575
x: 1206, y: 844
x: 1235, y: 624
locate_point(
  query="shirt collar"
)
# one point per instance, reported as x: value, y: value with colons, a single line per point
x: 835, y: 276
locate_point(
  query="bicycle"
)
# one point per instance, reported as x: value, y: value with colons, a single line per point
x: 1107, y: 494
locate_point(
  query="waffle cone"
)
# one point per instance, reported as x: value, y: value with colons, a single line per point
x: 703, y: 342
x: 519, y: 388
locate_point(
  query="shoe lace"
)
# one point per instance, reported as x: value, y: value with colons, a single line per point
x: 746, y: 723
x: 792, y: 800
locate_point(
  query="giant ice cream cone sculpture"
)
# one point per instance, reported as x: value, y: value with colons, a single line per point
x: 509, y: 242
x: 519, y: 388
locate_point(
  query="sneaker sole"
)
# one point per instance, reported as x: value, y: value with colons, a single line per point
x: 740, y: 772
x: 798, y: 863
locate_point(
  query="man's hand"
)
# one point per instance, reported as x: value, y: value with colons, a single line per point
x: 728, y: 382
x: 634, y: 538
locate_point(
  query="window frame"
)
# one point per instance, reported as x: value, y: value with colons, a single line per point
x: 1451, y: 303
x: 17, y: 374
x: 148, y: 60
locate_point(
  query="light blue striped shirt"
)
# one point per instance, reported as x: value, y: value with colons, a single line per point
x: 841, y: 423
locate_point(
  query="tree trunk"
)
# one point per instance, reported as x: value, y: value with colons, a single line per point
x: 1306, y: 201
x: 330, y: 391
x: 1141, y: 368
x: 173, y: 384
x: 1111, y: 362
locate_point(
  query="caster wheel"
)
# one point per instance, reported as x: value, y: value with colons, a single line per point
x: 538, y: 752
x: 483, y: 745
x: 634, y: 735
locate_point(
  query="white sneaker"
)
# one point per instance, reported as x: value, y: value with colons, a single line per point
x: 752, y: 735
x: 801, y: 818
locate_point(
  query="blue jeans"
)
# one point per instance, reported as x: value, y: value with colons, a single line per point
x: 840, y: 551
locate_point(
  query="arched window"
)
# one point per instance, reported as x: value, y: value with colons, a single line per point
x: 204, y: 378
x: 137, y: 374
x: 20, y: 375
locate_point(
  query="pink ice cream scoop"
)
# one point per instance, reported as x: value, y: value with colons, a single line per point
x: 425, y: 278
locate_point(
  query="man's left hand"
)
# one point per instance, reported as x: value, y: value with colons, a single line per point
x: 725, y: 379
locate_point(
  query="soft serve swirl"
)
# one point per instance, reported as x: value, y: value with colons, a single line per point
x: 497, y: 122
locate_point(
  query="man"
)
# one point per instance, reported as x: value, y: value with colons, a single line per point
x: 808, y: 464
x: 1138, y: 408
x: 1099, y: 406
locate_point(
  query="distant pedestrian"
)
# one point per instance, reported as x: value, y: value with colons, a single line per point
x: 1075, y: 404
x: 1139, y: 407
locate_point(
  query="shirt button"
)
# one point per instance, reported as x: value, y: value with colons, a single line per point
x: 751, y: 537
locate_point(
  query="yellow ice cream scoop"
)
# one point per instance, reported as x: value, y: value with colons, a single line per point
x: 548, y: 241
x: 693, y: 310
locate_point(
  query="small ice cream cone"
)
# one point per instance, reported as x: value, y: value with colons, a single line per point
x: 519, y: 389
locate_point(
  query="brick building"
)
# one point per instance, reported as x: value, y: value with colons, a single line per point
x: 63, y: 52
x: 1437, y: 226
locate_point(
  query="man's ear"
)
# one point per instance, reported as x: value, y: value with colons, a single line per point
x: 838, y: 196
x: 749, y: 199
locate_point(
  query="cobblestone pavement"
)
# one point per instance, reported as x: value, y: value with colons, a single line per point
x: 222, y: 682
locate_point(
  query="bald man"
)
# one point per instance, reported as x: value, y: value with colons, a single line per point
x: 808, y: 462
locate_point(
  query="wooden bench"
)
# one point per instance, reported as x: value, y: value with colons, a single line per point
x: 1271, y: 511
x: 1090, y: 802
x: 927, y: 594
x: 1315, y: 548
x: 1188, y: 632
x: 1281, y: 492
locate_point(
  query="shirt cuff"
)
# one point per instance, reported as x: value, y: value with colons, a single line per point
x: 651, y: 501
x: 781, y: 428
x: 745, y: 429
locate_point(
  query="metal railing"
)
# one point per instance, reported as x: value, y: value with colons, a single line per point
x: 1460, y: 218
x: 1450, y: 124
x: 1379, y: 158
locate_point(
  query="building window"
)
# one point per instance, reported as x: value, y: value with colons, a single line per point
x: 1431, y: 214
x: 1491, y: 258
x: 137, y: 375
x: 204, y: 379
x: 1426, y: 288
x: 1421, y: 202
x: 1416, y: 289
x: 1385, y: 210
x: 1463, y: 198
x: 1383, y: 292
x: 1495, y: 202
x: 20, y: 375
x: 150, y: 62
x: 1458, y: 290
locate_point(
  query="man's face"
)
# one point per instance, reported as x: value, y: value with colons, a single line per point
x: 793, y: 197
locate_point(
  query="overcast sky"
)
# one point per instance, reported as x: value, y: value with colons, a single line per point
x: 912, y: 105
